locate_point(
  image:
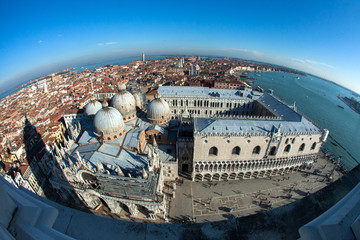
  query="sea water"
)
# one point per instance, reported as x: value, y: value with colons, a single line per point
x: 317, y: 100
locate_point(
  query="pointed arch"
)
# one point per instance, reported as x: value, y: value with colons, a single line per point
x: 272, y: 151
x: 302, y: 147
x: 287, y: 148
x: 256, y: 150
x: 213, y: 151
x: 236, y: 150
x: 313, y: 146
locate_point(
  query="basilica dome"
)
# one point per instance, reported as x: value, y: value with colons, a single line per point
x: 92, y: 108
x: 140, y: 97
x: 108, y: 123
x: 124, y: 102
x: 158, y: 110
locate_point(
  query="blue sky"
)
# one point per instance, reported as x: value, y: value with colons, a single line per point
x: 320, y: 37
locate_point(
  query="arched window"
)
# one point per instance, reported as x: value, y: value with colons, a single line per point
x: 256, y: 150
x: 213, y: 151
x: 272, y: 151
x: 236, y: 151
x: 287, y: 148
x: 302, y: 147
x: 313, y: 146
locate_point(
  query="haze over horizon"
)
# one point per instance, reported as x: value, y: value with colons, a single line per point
x: 320, y: 38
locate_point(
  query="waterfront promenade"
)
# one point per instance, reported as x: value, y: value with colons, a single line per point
x: 215, y: 201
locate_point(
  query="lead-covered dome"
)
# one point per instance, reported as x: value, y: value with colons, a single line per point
x: 158, y: 110
x: 92, y: 108
x: 124, y: 102
x: 108, y: 123
x: 140, y: 97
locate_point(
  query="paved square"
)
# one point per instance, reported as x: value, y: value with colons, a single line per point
x: 214, y: 201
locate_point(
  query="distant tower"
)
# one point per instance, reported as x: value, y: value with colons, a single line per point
x: 143, y: 57
x: 92, y: 86
x: 45, y: 87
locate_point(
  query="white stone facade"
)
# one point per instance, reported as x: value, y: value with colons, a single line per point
x: 238, y: 157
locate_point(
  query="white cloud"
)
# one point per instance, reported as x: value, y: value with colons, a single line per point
x: 319, y: 63
x: 107, y: 43
x: 40, y: 41
x: 242, y: 50
x: 312, y: 62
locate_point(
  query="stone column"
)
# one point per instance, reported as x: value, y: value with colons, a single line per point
x: 152, y: 215
x: 133, y: 209
x: 113, y: 205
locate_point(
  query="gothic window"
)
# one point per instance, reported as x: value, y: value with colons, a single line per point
x: 302, y: 147
x: 287, y: 148
x: 313, y: 146
x: 236, y: 151
x: 213, y: 151
x: 256, y: 150
x: 185, y: 157
x: 272, y: 151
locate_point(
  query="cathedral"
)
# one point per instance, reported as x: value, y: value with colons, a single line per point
x: 122, y: 150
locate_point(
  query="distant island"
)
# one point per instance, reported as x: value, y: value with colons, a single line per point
x: 352, y: 103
